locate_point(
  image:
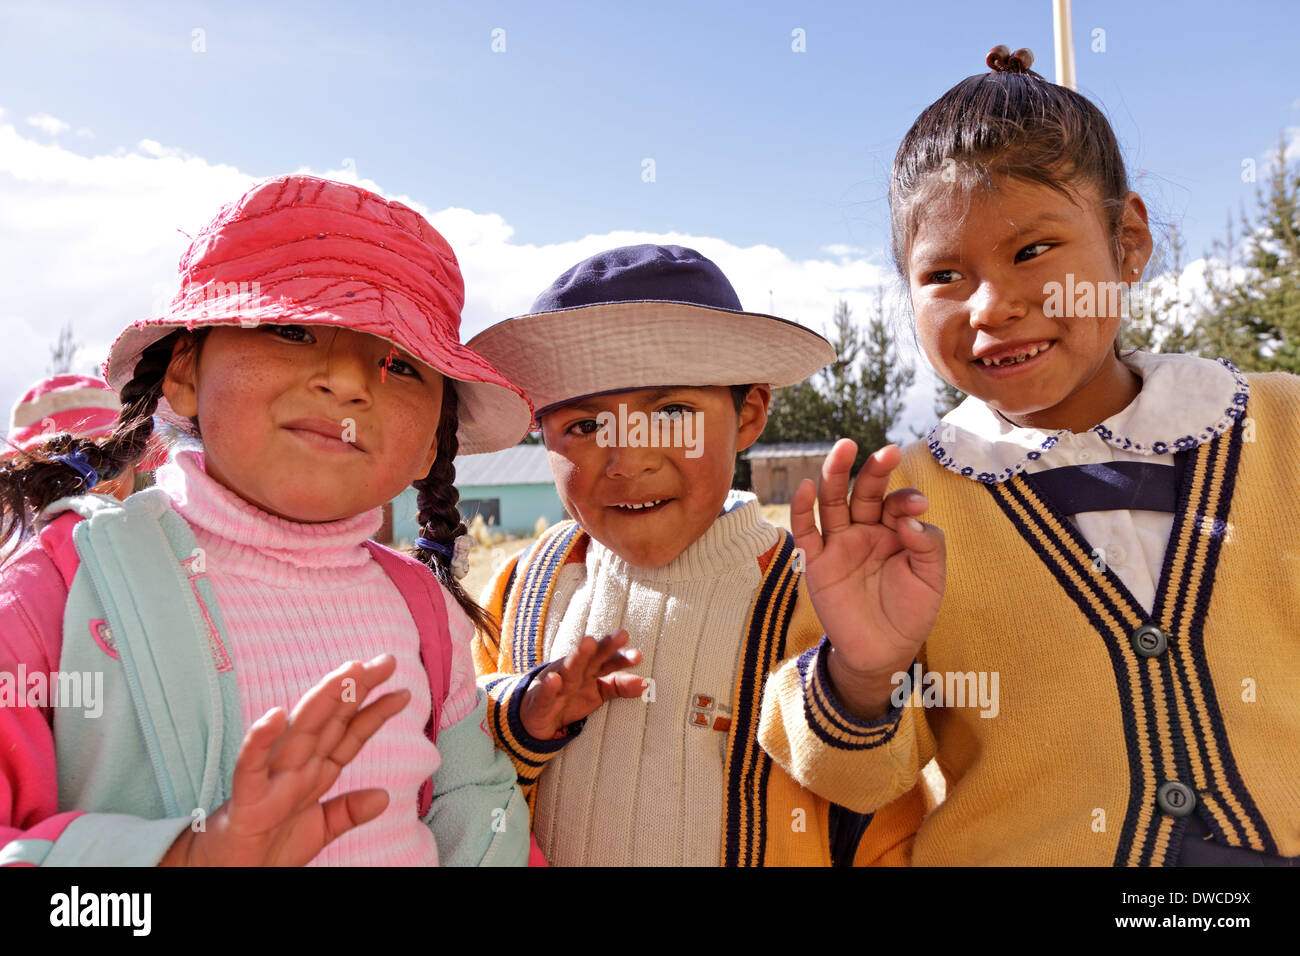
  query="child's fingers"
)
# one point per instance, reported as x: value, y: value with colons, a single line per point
x: 249, y: 777
x: 803, y: 526
x: 347, y: 684
x: 573, y: 668
x: 364, y: 725
x: 622, y: 685
x: 620, y: 661
x: 833, y: 498
x: 903, y: 503
x: 350, y: 810
x: 606, y: 648
x: 873, y: 479
x: 321, y: 717
x: 925, y: 550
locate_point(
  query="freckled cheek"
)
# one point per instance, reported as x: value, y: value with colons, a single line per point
x: 570, y: 483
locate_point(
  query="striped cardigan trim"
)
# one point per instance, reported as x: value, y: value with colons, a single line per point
x: 748, y: 767
x: 827, y: 717
x: 1167, y: 702
x: 529, y: 755
x: 529, y: 600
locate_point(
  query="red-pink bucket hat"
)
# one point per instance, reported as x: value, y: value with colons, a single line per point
x: 309, y: 251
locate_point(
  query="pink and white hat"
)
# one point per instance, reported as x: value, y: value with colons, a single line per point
x: 85, y: 407
x: 80, y: 405
x: 307, y: 251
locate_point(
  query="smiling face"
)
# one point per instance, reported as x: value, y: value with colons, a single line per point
x: 606, y: 479
x: 981, y: 269
x: 302, y: 420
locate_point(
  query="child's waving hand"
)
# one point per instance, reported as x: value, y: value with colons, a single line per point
x: 275, y: 816
x: 875, y: 573
x: 571, y: 688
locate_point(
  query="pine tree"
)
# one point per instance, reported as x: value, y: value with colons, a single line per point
x: 946, y: 398
x: 884, y: 380
x: 1253, y: 318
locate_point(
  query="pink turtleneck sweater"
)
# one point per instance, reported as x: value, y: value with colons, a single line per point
x: 300, y: 599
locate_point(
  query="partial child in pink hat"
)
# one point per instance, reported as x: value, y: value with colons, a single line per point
x: 313, y: 357
x: 80, y: 405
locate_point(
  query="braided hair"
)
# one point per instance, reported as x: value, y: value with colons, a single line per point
x: 439, y: 519
x: 31, y: 480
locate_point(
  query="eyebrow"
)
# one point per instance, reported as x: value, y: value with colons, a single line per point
x: 935, y: 251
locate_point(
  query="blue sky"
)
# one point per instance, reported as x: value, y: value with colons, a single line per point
x: 542, y: 146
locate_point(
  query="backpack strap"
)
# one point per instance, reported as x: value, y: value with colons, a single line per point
x: 136, y: 563
x: 528, y: 593
x: 55, y: 540
x: 423, y: 596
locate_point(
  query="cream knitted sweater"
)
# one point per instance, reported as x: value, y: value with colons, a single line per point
x: 643, y: 783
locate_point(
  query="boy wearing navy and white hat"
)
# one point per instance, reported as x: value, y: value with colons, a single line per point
x: 648, y: 377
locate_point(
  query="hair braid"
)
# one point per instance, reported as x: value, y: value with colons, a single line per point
x: 31, y: 480
x: 439, y: 519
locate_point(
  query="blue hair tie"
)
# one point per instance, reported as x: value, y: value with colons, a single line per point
x: 428, y: 545
x: 77, y: 460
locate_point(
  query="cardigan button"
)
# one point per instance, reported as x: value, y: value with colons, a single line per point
x: 1149, y: 641
x: 1175, y: 799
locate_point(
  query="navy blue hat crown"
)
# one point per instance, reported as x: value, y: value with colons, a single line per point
x: 644, y: 273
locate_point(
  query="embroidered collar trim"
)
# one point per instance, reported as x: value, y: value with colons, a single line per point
x: 1197, y: 400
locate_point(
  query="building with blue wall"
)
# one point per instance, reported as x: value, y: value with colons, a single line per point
x: 510, y: 488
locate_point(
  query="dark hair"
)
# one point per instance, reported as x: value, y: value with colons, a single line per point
x: 437, y: 516
x: 31, y: 480
x: 1011, y: 122
x: 738, y: 395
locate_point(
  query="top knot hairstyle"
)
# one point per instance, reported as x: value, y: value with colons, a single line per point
x: 1002, y: 60
x: 1010, y: 122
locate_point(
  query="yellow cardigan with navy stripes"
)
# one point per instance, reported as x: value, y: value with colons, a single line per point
x: 768, y: 818
x: 1092, y: 727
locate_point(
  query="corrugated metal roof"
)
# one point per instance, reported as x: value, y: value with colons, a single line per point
x: 785, y: 449
x: 520, y: 465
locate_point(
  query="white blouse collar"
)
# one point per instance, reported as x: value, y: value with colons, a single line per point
x: 1185, y: 401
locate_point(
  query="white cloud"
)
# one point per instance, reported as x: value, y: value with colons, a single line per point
x: 48, y: 124
x: 96, y: 239
x: 85, y: 132
x: 840, y: 249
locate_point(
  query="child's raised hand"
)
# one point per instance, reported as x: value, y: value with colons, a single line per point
x: 571, y: 688
x: 874, y: 572
x: 275, y: 816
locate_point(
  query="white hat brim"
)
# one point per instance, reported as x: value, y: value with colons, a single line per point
x: 561, y: 356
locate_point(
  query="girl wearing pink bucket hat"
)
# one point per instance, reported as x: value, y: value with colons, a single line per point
x: 313, y: 357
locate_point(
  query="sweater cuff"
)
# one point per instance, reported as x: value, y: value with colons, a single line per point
x: 529, y: 755
x: 115, y: 839
x: 830, y: 720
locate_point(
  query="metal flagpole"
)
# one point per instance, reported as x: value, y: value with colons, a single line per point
x: 1064, y: 43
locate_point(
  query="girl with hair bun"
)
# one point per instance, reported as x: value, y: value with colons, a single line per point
x: 1105, y: 664
x: 313, y: 357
